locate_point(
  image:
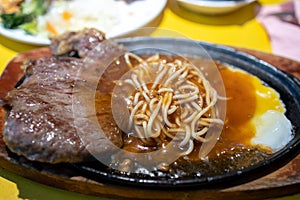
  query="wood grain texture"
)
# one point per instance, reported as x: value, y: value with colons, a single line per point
x: 284, y: 181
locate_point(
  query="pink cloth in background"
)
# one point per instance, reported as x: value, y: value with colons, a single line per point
x: 284, y: 36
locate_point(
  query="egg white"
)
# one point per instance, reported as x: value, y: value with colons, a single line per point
x: 273, y: 130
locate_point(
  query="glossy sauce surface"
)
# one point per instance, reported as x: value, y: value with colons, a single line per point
x: 240, y: 108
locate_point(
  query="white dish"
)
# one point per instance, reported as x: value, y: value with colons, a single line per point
x: 213, y: 7
x: 131, y: 17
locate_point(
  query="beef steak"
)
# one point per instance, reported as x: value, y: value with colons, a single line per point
x: 40, y: 123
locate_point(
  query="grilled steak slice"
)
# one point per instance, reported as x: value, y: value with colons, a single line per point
x: 80, y: 43
x: 40, y: 124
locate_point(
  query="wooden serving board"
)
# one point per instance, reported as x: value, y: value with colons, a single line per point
x: 285, y: 181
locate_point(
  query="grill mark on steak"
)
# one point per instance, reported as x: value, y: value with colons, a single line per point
x: 40, y: 124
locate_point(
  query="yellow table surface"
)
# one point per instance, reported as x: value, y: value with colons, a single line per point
x: 239, y: 28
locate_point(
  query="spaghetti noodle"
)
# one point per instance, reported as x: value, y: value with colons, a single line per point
x: 171, y: 100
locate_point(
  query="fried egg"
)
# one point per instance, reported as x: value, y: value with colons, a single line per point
x: 255, y: 112
x: 273, y: 129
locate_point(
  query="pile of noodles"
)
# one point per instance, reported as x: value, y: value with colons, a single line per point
x: 171, y: 101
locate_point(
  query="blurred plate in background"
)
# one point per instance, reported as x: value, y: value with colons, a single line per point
x: 213, y: 7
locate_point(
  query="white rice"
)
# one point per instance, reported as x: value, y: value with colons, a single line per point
x: 100, y: 14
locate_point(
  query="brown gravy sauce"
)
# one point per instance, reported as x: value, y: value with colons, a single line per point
x: 241, y: 105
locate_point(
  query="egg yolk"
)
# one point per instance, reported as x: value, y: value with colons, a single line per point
x: 247, y: 98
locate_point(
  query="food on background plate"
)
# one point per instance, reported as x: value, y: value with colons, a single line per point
x: 24, y: 16
x: 75, y: 15
x: 9, y: 6
x: 45, y: 19
x: 178, y: 98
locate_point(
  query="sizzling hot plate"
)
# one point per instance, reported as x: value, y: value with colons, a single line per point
x: 285, y: 84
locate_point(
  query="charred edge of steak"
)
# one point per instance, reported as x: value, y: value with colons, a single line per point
x: 21, y: 81
x: 27, y: 66
x: 5, y: 105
